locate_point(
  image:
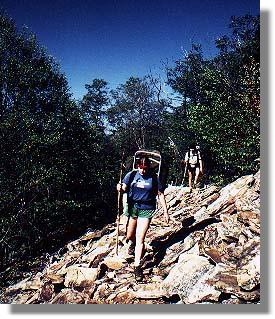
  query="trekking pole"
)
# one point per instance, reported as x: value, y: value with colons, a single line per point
x: 119, y: 204
x: 185, y: 171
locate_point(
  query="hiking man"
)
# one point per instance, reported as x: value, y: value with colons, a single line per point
x: 142, y: 187
x: 193, y: 162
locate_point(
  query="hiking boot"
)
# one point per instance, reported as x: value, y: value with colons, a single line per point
x: 131, y: 249
x: 138, y: 273
x: 197, y: 186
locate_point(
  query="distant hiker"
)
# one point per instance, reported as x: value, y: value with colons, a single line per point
x: 142, y: 187
x: 193, y: 162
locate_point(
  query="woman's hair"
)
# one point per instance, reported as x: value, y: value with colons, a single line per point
x: 144, y: 161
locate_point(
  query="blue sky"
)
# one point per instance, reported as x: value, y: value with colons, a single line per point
x: 116, y: 39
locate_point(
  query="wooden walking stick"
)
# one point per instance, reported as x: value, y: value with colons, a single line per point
x: 185, y: 171
x: 119, y: 204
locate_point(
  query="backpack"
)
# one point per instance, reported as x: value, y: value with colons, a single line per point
x: 193, y: 159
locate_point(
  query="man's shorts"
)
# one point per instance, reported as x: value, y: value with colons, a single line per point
x: 192, y: 170
x: 136, y: 212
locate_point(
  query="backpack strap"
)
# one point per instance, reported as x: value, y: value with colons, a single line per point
x: 132, y: 177
x: 155, y: 183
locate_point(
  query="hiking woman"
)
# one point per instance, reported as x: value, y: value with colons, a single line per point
x: 142, y: 187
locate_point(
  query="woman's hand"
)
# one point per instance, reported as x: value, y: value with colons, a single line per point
x: 163, y: 203
x: 121, y: 187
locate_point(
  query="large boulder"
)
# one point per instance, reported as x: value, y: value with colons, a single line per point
x: 185, y: 279
x: 78, y: 276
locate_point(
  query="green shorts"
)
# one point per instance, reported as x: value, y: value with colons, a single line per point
x: 136, y: 212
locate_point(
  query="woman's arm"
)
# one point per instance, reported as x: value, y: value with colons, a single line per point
x: 201, y: 166
x: 164, y: 206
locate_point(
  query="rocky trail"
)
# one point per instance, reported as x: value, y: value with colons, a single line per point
x: 209, y: 253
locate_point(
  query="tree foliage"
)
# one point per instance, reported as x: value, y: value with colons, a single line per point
x: 94, y: 103
x: 52, y: 179
x: 136, y: 114
x: 222, y: 100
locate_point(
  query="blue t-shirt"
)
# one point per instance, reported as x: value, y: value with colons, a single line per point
x: 143, y: 190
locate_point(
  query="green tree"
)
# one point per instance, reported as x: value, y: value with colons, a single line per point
x: 33, y: 97
x: 94, y: 103
x: 55, y: 170
x: 136, y: 114
x: 222, y: 101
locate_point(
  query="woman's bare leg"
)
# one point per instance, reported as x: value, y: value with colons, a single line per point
x: 131, y: 229
x: 141, y: 230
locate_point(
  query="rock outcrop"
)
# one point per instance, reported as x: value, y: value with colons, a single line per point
x: 209, y: 253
